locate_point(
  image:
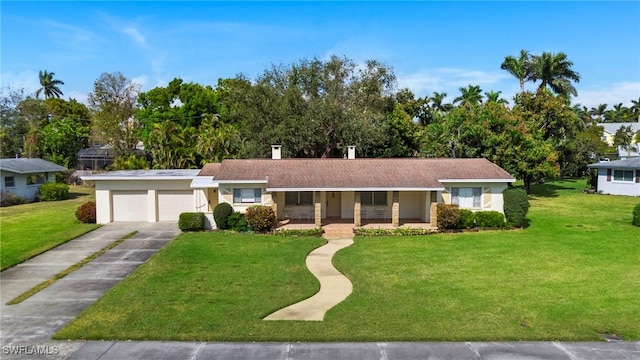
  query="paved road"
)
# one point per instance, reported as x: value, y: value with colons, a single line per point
x: 25, y: 329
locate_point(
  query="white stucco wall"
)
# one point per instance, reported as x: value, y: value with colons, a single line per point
x: 616, y: 187
x: 489, y: 201
x: 411, y: 204
x: 105, y: 189
x: 20, y: 187
x: 225, y: 194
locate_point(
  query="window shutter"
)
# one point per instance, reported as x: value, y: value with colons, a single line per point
x: 258, y: 195
x: 608, y: 174
x: 237, y: 196
x: 637, y: 176
x: 455, y: 199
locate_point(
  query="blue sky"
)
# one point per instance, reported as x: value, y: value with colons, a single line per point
x: 431, y: 46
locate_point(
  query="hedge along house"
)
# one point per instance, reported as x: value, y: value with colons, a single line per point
x: 384, y: 190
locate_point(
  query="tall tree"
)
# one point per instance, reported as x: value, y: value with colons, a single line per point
x: 316, y: 108
x: 49, y: 85
x: 554, y: 71
x: 113, y: 102
x: 624, y: 138
x: 598, y: 112
x: 494, y: 96
x: 518, y: 67
x: 469, y: 96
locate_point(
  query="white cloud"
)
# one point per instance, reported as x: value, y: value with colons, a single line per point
x: 27, y: 80
x: 427, y: 81
x: 78, y: 96
x: 142, y: 80
x: 134, y: 34
x: 622, y: 92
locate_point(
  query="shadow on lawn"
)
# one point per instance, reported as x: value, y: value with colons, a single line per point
x: 551, y: 190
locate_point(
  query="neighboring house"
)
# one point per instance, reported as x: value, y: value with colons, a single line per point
x: 314, y: 190
x: 23, y: 177
x: 631, y: 152
x: 620, y: 177
x: 611, y: 128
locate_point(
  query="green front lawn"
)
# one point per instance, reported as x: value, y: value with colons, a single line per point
x: 30, y: 229
x: 571, y: 276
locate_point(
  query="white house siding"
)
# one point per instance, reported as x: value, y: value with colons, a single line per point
x: 348, y: 201
x: 112, y: 204
x: 411, y: 204
x: 616, y: 187
x: 225, y: 194
x: 20, y: 187
x: 491, y: 198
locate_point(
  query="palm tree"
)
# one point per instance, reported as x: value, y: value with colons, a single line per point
x: 635, y: 109
x: 438, y: 102
x: 598, y: 112
x: 49, y: 85
x: 554, y: 70
x: 518, y: 67
x: 494, y: 96
x: 471, y: 95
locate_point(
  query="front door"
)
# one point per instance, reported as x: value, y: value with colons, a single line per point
x: 334, y: 205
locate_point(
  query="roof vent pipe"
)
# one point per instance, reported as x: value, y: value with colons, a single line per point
x: 276, y: 152
x: 351, y: 152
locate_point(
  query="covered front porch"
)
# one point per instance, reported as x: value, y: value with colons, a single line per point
x: 375, y: 208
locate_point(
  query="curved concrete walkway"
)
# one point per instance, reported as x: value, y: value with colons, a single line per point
x: 334, y: 287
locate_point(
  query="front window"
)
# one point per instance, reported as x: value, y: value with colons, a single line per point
x: 466, y: 198
x: 373, y: 198
x: 9, y: 181
x: 247, y: 196
x: 298, y: 198
x: 35, y: 179
x: 623, y: 175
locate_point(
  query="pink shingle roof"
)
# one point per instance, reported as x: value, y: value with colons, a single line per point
x: 397, y: 173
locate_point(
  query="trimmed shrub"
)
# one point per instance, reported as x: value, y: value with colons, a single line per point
x: 394, y: 232
x: 221, y: 215
x: 516, y: 206
x: 8, y: 199
x: 261, y: 218
x: 448, y: 216
x: 467, y: 219
x: 86, y: 213
x: 237, y: 222
x: 299, y: 232
x: 490, y: 219
x: 191, y: 221
x: 636, y: 215
x: 54, y: 192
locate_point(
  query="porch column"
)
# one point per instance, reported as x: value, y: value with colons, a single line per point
x: 395, y: 209
x: 357, y: 216
x: 274, y: 203
x: 433, y: 214
x: 317, y: 211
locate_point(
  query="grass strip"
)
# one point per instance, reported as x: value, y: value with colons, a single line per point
x: 34, y: 290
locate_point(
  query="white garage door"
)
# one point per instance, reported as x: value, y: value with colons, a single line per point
x: 173, y: 203
x: 129, y: 205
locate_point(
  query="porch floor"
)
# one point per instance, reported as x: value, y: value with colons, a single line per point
x: 348, y: 223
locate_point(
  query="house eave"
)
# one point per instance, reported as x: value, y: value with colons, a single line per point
x: 271, y: 189
x: 477, y: 180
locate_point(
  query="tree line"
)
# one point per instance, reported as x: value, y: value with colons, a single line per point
x: 315, y: 108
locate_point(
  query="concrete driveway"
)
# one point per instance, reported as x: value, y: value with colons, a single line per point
x: 36, y: 319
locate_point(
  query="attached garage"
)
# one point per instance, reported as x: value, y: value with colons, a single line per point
x: 145, y: 195
x: 129, y: 205
x: 172, y: 203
